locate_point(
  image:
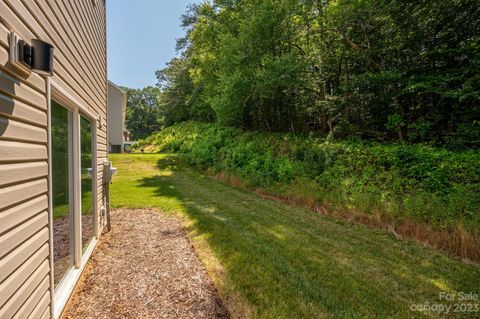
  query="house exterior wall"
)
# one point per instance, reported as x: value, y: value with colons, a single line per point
x: 116, y: 115
x: 77, y: 30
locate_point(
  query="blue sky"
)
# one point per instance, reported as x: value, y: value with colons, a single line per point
x: 141, y: 37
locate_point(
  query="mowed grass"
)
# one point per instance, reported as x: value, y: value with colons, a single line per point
x: 271, y: 260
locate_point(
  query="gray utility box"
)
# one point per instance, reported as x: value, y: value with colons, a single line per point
x: 108, y: 172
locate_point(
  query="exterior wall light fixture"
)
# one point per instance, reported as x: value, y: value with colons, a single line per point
x: 36, y: 57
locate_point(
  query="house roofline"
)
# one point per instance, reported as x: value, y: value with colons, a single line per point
x: 116, y: 86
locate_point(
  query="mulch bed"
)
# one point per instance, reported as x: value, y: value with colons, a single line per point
x: 145, y: 268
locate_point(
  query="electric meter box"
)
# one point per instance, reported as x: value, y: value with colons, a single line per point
x: 108, y: 172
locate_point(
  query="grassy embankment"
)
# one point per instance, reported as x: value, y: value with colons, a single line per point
x: 272, y: 260
x: 428, y: 194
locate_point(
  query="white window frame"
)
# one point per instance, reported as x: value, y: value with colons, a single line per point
x: 61, y: 294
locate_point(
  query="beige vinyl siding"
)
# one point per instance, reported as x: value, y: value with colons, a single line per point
x: 18, y: 110
x: 21, y: 151
x: 18, y: 214
x: 22, y: 252
x: 37, y: 302
x: 16, y: 194
x: 17, y: 300
x: 45, y: 315
x: 77, y: 29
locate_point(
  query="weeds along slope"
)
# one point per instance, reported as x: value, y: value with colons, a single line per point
x: 415, y: 191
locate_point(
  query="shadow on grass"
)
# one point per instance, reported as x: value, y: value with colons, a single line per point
x: 288, y: 262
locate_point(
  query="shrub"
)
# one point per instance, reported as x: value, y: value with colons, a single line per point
x: 415, y: 182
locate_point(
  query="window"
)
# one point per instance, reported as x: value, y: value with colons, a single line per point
x: 73, y: 162
x: 73, y: 191
x: 86, y: 151
x: 61, y: 135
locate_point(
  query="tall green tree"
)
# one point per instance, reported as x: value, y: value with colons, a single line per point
x: 376, y: 69
x: 144, y: 115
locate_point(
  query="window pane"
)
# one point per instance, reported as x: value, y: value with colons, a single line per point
x: 61, y: 181
x: 86, y: 165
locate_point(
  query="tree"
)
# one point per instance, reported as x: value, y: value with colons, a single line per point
x: 144, y: 115
x: 180, y: 99
x: 375, y: 69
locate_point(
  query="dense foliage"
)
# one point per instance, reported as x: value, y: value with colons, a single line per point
x: 144, y: 114
x: 419, y: 182
x: 376, y: 69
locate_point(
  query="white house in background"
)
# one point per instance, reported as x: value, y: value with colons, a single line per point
x: 117, y: 134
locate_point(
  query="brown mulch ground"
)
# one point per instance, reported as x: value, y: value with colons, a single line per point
x: 145, y: 268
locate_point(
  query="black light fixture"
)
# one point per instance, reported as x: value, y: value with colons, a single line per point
x: 42, y: 57
x: 38, y: 56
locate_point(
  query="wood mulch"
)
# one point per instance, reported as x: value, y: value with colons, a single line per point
x: 145, y: 268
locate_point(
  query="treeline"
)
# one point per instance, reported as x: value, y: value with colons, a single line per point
x: 144, y: 114
x: 382, y: 70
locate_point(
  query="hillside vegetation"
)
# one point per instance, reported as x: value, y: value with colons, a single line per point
x: 383, y: 70
x: 367, y: 109
x: 419, y: 191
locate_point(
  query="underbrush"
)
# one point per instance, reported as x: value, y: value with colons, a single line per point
x: 418, y: 191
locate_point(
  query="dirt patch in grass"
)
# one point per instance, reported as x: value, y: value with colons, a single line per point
x: 145, y: 268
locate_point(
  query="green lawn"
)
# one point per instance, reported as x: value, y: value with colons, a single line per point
x: 271, y: 260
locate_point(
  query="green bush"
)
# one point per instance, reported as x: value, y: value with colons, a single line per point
x: 416, y: 182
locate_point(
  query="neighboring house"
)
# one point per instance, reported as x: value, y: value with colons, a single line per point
x: 53, y: 131
x: 117, y: 134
